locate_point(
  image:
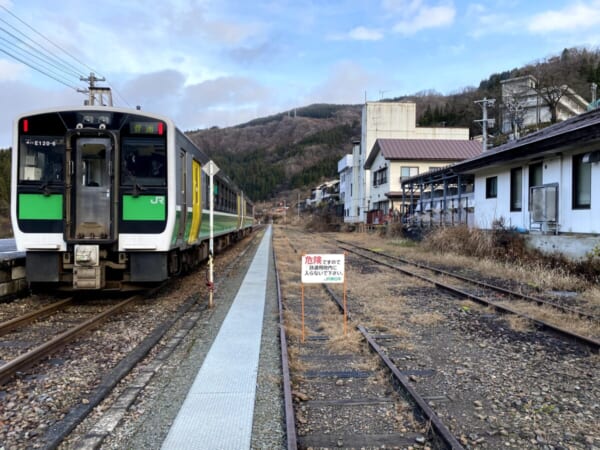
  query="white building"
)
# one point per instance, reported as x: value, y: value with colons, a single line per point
x: 345, y: 170
x: 391, y: 121
x: 393, y: 160
x: 546, y: 184
x: 523, y: 107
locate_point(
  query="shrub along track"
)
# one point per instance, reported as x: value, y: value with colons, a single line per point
x: 494, y: 384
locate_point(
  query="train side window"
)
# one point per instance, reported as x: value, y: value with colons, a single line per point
x: 41, y: 159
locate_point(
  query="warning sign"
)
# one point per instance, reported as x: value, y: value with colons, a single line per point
x: 326, y: 268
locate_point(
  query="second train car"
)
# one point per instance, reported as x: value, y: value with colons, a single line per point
x: 113, y: 198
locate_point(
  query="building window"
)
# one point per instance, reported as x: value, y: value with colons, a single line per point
x: 516, y: 189
x: 380, y: 177
x: 582, y: 183
x: 536, y: 174
x: 406, y: 171
x: 491, y: 187
x: 536, y: 177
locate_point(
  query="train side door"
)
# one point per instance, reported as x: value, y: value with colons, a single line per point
x: 91, y: 195
x: 182, y: 203
x: 196, y: 201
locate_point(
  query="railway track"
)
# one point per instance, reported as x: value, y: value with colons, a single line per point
x: 44, y: 349
x: 82, y: 375
x: 344, y: 396
x: 498, y: 297
x: 491, y: 382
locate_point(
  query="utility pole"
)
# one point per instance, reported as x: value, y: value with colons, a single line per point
x: 96, y: 91
x: 485, y: 122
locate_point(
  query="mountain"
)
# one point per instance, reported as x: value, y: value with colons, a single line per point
x: 283, y: 152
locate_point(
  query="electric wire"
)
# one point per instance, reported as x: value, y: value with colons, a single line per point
x: 48, y: 58
x: 36, y: 68
x: 23, y: 52
x: 65, y: 65
x: 47, y: 39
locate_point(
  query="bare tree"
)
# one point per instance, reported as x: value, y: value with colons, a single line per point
x: 552, y: 76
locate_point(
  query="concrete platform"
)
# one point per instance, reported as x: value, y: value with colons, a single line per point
x: 218, y: 410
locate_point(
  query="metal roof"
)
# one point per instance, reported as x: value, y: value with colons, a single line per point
x: 576, y: 130
x: 580, y: 130
x: 424, y: 149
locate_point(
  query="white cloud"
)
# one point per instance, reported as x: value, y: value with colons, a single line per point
x: 572, y: 18
x: 426, y: 17
x: 11, y: 71
x: 347, y: 83
x: 359, y: 34
x: 408, y: 7
x: 365, y: 34
x: 482, y: 22
x: 225, y: 100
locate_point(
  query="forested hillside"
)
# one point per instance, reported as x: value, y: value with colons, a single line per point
x: 4, y: 193
x: 285, y: 151
x: 277, y: 153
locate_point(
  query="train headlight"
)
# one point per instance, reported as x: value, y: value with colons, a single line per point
x: 87, y: 255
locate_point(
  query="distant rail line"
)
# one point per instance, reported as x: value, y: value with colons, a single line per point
x: 479, y: 291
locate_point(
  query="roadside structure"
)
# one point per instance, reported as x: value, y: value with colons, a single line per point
x: 390, y: 120
x: 546, y: 184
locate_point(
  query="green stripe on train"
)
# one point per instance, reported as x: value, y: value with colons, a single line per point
x: 222, y: 224
x: 40, y: 206
x: 144, y: 207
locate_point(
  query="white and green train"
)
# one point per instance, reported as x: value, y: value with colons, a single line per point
x: 113, y: 198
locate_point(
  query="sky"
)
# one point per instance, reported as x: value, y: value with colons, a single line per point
x: 220, y: 63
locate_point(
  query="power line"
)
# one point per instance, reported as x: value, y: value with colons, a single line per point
x: 24, y: 52
x: 41, y: 50
x: 45, y: 38
x: 36, y: 68
x: 47, y: 58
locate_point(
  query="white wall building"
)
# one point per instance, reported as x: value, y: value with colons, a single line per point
x: 392, y: 121
x: 523, y: 107
x: 546, y: 184
x: 345, y: 170
x: 393, y: 160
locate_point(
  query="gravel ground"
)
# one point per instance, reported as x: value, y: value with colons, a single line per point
x: 496, y: 384
x: 147, y: 423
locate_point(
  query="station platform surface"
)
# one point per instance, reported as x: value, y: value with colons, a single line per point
x: 8, y: 250
x: 218, y: 410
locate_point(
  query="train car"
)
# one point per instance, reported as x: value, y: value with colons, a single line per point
x: 113, y: 198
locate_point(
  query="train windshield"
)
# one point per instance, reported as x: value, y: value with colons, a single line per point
x: 41, y: 159
x: 143, y: 162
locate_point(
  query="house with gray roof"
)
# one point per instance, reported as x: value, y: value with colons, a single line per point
x: 392, y: 160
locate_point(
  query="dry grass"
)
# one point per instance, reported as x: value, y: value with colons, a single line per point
x: 519, y: 324
x: 293, y: 326
x: 571, y: 322
x: 427, y: 318
x: 592, y: 296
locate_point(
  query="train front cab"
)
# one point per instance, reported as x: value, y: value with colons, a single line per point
x: 80, y: 182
